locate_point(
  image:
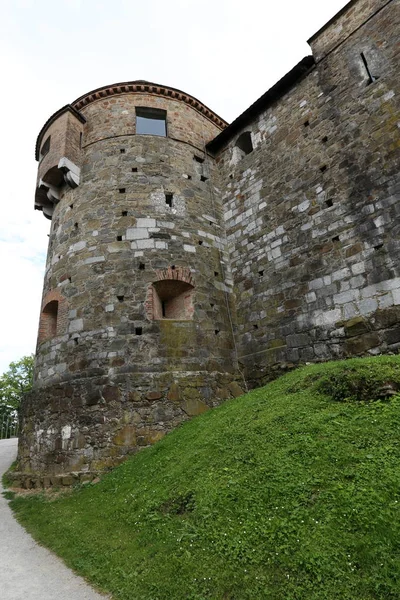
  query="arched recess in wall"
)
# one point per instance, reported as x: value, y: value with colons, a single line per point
x: 244, y: 143
x: 52, y: 317
x: 171, y: 295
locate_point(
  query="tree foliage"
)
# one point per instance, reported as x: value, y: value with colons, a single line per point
x: 15, y: 382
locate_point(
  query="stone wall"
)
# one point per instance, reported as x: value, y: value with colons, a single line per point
x: 312, y: 214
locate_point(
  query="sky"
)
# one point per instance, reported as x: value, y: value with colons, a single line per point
x: 226, y: 53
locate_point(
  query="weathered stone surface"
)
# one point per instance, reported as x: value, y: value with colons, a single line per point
x: 174, y: 393
x: 194, y: 407
x: 235, y: 389
x: 355, y: 326
x: 126, y: 436
x: 154, y: 395
x: 363, y: 343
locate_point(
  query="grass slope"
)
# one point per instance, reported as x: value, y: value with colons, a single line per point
x: 290, y: 492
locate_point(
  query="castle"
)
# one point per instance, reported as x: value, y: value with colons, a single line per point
x: 189, y: 258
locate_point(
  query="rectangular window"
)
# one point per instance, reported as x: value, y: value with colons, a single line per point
x: 45, y: 148
x: 152, y: 121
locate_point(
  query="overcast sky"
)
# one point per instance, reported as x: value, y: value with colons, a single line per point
x: 225, y: 52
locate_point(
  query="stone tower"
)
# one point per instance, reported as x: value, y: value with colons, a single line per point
x: 135, y: 330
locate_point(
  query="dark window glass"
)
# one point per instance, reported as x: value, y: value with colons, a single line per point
x: 45, y: 148
x: 151, y: 121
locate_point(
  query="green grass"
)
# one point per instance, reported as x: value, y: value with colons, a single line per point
x: 291, y: 492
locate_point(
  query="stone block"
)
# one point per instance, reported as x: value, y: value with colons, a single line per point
x: 356, y: 326
x: 194, y: 407
x: 235, y: 389
x: 361, y: 344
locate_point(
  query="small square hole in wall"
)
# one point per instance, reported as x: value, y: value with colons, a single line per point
x: 120, y: 298
x: 173, y: 267
x: 324, y: 139
x: 198, y: 158
x: 122, y: 150
x: 336, y: 239
x: 76, y: 225
x: 200, y: 242
x: 121, y: 190
x: 189, y: 177
x: 76, y: 341
x: 212, y: 305
x: 261, y: 273
x: 141, y: 267
x: 124, y: 213
x: 378, y: 246
x: 134, y: 169
x: 138, y: 330
x: 306, y: 123
x: 71, y: 206
x: 119, y: 238
x: 216, y: 273
x: 216, y: 331
x: 203, y: 178
x: 231, y: 176
x: 329, y: 202
x: 323, y: 168
x: 168, y: 199
x: 255, y: 326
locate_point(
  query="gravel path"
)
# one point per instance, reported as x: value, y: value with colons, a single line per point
x: 28, y: 571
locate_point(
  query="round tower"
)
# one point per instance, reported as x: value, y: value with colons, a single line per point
x: 135, y: 331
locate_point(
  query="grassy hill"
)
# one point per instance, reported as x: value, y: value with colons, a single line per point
x: 290, y: 492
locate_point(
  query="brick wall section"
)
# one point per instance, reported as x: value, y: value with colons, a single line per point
x: 312, y: 213
x: 65, y: 141
x: 101, y: 123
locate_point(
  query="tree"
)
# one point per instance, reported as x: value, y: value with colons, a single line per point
x: 14, y: 383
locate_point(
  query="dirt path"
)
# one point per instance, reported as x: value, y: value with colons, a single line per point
x: 28, y: 571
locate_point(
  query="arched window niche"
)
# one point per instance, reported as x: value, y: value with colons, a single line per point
x: 48, y: 321
x: 171, y: 296
x: 244, y: 143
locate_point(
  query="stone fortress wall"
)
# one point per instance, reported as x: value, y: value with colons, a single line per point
x: 178, y: 263
x: 312, y: 212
